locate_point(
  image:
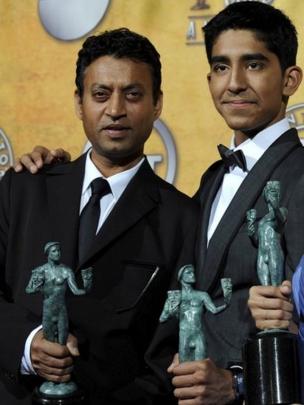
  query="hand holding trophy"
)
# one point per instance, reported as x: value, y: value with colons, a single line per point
x: 271, y: 367
x: 52, y: 279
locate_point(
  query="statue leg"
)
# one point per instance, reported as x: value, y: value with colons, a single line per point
x: 263, y: 269
x: 200, y: 348
x: 63, y: 326
x: 183, y: 346
x: 276, y: 268
x: 48, y: 327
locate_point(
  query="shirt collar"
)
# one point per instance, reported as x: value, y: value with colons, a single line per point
x: 118, y: 182
x: 254, y: 148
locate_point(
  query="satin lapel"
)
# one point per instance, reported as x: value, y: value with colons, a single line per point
x: 245, y: 198
x: 64, y: 184
x: 140, y: 197
x: 207, y: 195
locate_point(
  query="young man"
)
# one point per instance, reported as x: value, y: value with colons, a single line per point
x: 143, y: 234
x: 251, y: 48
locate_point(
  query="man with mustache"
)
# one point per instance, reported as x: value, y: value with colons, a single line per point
x: 143, y: 233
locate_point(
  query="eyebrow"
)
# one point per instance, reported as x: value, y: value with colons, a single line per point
x: 109, y: 87
x: 246, y: 57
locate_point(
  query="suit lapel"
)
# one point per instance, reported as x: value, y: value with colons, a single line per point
x: 140, y: 197
x: 245, y: 198
x: 64, y: 185
x: 206, y: 197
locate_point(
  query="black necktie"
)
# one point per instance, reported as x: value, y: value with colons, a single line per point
x: 89, y: 217
x: 231, y: 158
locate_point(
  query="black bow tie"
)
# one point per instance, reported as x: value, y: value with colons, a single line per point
x: 231, y: 158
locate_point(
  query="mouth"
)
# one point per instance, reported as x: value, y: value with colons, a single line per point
x: 238, y: 103
x: 115, y: 130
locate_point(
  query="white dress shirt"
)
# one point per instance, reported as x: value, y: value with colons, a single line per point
x: 118, y: 183
x: 253, y: 150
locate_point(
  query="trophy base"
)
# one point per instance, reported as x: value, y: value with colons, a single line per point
x: 43, y: 399
x: 271, y: 369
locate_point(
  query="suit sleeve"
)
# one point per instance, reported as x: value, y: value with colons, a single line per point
x: 14, y: 319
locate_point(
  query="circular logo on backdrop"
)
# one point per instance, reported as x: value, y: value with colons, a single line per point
x: 295, y: 116
x: 169, y: 157
x: 71, y: 19
x: 6, y: 153
x: 163, y: 156
x: 228, y: 2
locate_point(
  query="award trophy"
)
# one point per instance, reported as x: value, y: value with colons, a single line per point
x: 52, y: 279
x: 271, y: 368
x: 187, y: 305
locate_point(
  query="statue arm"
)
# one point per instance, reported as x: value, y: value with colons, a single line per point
x: 210, y: 305
x: 251, y: 225
x: 36, y: 281
x: 87, y: 278
x: 281, y: 215
x: 72, y: 284
x: 171, y: 307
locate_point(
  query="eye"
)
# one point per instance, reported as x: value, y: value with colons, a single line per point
x: 255, y: 65
x: 219, y: 68
x: 133, y: 95
x: 100, y: 95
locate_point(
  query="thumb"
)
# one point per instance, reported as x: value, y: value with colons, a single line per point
x: 72, y: 345
x: 175, y: 362
x: 286, y: 288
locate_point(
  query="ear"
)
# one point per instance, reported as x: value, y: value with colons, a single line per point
x: 292, y: 80
x: 158, y: 106
x: 78, y: 104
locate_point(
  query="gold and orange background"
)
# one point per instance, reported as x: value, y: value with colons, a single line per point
x: 37, y: 80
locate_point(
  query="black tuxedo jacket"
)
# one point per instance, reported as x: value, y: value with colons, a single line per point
x: 231, y: 253
x: 146, y: 238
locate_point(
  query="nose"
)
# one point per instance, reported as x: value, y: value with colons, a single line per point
x: 237, y: 80
x: 116, y: 108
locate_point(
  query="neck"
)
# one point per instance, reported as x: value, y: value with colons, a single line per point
x: 186, y: 286
x: 242, y: 135
x: 53, y: 262
x: 239, y: 138
x: 109, y: 166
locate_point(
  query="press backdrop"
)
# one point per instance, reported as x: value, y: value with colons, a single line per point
x: 39, y: 41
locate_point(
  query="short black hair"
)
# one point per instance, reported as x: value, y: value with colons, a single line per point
x: 269, y: 24
x: 119, y: 43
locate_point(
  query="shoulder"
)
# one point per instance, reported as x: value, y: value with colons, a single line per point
x: 171, y: 195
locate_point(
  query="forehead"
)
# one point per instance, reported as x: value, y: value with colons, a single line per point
x: 238, y: 42
x: 109, y: 70
x: 188, y: 270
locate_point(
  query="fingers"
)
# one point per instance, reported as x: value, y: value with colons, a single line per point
x: 39, y: 156
x: 60, y: 155
x: 201, y: 382
x: 29, y: 161
x: 270, y: 306
x: 50, y: 360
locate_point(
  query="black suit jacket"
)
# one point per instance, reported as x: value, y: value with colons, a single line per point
x: 231, y: 253
x: 146, y: 238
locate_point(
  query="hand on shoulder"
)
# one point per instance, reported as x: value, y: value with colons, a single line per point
x: 40, y: 156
